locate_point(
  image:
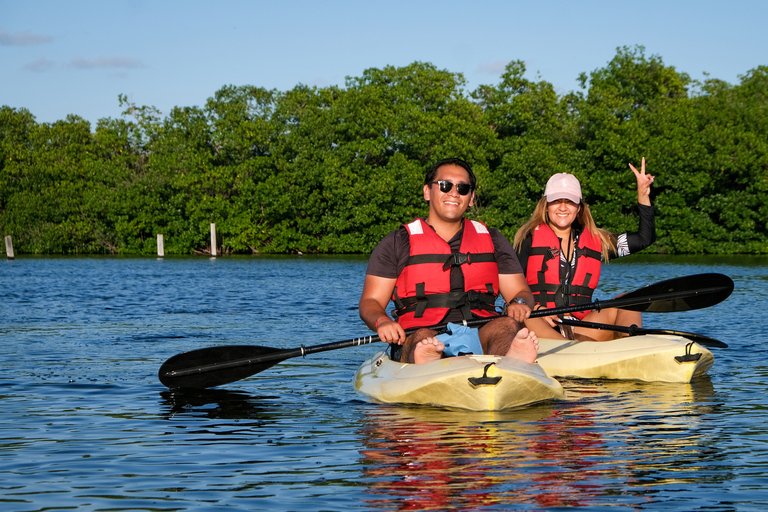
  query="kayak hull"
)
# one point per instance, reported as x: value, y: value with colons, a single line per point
x: 652, y: 358
x: 492, y: 383
x: 478, y: 383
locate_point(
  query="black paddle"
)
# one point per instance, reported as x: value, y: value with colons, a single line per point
x: 634, y: 330
x: 214, y: 366
x: 712, y: 288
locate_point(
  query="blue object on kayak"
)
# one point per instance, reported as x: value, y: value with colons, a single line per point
x: 460, y: 339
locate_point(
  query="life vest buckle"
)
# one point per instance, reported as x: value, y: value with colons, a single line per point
x: 456, y: 260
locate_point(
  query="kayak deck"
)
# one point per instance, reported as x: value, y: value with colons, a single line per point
x: 478, y: 383
x: 653, y: 358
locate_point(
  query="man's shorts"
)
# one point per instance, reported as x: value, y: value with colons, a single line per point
x: 460, y: 339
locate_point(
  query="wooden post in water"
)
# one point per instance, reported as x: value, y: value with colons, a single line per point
x: 213, y: 239
x: 160, y: 248
x: 9, y: 247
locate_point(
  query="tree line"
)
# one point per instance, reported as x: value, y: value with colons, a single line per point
x: 333, y: 169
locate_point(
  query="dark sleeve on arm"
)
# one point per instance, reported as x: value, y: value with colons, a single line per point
x: 389, y: 257
x: 525, y: 252
x: 506, y: 257
x: 633, y: 242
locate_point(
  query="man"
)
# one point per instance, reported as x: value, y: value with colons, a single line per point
x: 446, y: 269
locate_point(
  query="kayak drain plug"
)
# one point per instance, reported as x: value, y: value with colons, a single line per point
x: 485, y: 380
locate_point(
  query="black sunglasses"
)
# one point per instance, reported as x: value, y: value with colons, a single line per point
x: 446, y: 186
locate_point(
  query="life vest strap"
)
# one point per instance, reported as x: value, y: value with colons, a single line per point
x: 588, y: 253
x: 421, y: 300
x: 548, y: 252
x: 452, y: 260
x: 420, y: 259
x: 463, y: 301
x: 460, y: 258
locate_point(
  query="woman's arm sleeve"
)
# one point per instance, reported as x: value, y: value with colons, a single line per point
x: 635, y: 241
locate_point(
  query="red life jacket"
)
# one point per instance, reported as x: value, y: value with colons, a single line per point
x: 543, y: 270
x: 423, y: 295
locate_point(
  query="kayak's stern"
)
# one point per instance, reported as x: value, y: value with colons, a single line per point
x: 652, y: 358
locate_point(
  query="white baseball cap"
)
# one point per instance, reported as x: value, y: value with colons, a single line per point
x: 563, y: 186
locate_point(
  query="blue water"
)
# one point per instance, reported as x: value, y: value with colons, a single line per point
x: 86, y: 425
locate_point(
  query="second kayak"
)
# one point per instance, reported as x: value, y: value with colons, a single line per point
x: 652, y: 358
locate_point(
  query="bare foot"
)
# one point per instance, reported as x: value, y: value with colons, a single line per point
x: 428, y: 350
x: 525, y: 346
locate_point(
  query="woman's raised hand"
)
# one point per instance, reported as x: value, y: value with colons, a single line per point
x: 643, y: 184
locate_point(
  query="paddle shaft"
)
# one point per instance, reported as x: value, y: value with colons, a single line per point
x: 633, y: 302
x: 278, y: 356
x: 634, y: 330
x: 281, y: 355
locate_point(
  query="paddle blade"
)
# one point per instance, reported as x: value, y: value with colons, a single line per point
x: 700, y: 291
x: 213, y: 366
x: 704, y: 341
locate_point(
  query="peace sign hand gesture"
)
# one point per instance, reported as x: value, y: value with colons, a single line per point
x: 643, y: 184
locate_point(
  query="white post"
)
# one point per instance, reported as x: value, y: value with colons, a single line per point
x: 9, y: 247
x: 213, y: 240
x: 160, y: 248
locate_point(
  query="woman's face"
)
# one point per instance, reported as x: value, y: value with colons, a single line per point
x: 562, y: 213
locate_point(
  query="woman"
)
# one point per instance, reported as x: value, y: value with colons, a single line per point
x: 561, y: 251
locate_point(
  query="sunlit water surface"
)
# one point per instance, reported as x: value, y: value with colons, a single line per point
x: 86, y: 425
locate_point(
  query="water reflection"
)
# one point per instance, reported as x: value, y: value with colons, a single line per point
x: 216, y: 404
x: 429, y: 459
x: 585, y: 453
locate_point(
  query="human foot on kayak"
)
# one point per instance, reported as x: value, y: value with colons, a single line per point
x: 428, y: 350
x: 525, y: 346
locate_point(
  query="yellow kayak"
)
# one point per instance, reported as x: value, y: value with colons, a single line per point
x: 478, y: 383
x: 652, y: 358
x: 493, y: 383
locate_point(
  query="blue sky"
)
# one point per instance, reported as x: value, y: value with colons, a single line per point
x: 77, y: 56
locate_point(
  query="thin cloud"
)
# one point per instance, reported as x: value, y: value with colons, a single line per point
x: 40, y: 65
x: 493, y: 68
x: 106, y: 62
x: 25, y: 38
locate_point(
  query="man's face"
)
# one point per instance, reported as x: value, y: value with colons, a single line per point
x: 451, y: 205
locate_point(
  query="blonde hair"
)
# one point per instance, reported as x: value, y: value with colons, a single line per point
x: 584, y: 218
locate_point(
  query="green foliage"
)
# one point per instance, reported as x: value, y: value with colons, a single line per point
x: 332, y: 170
